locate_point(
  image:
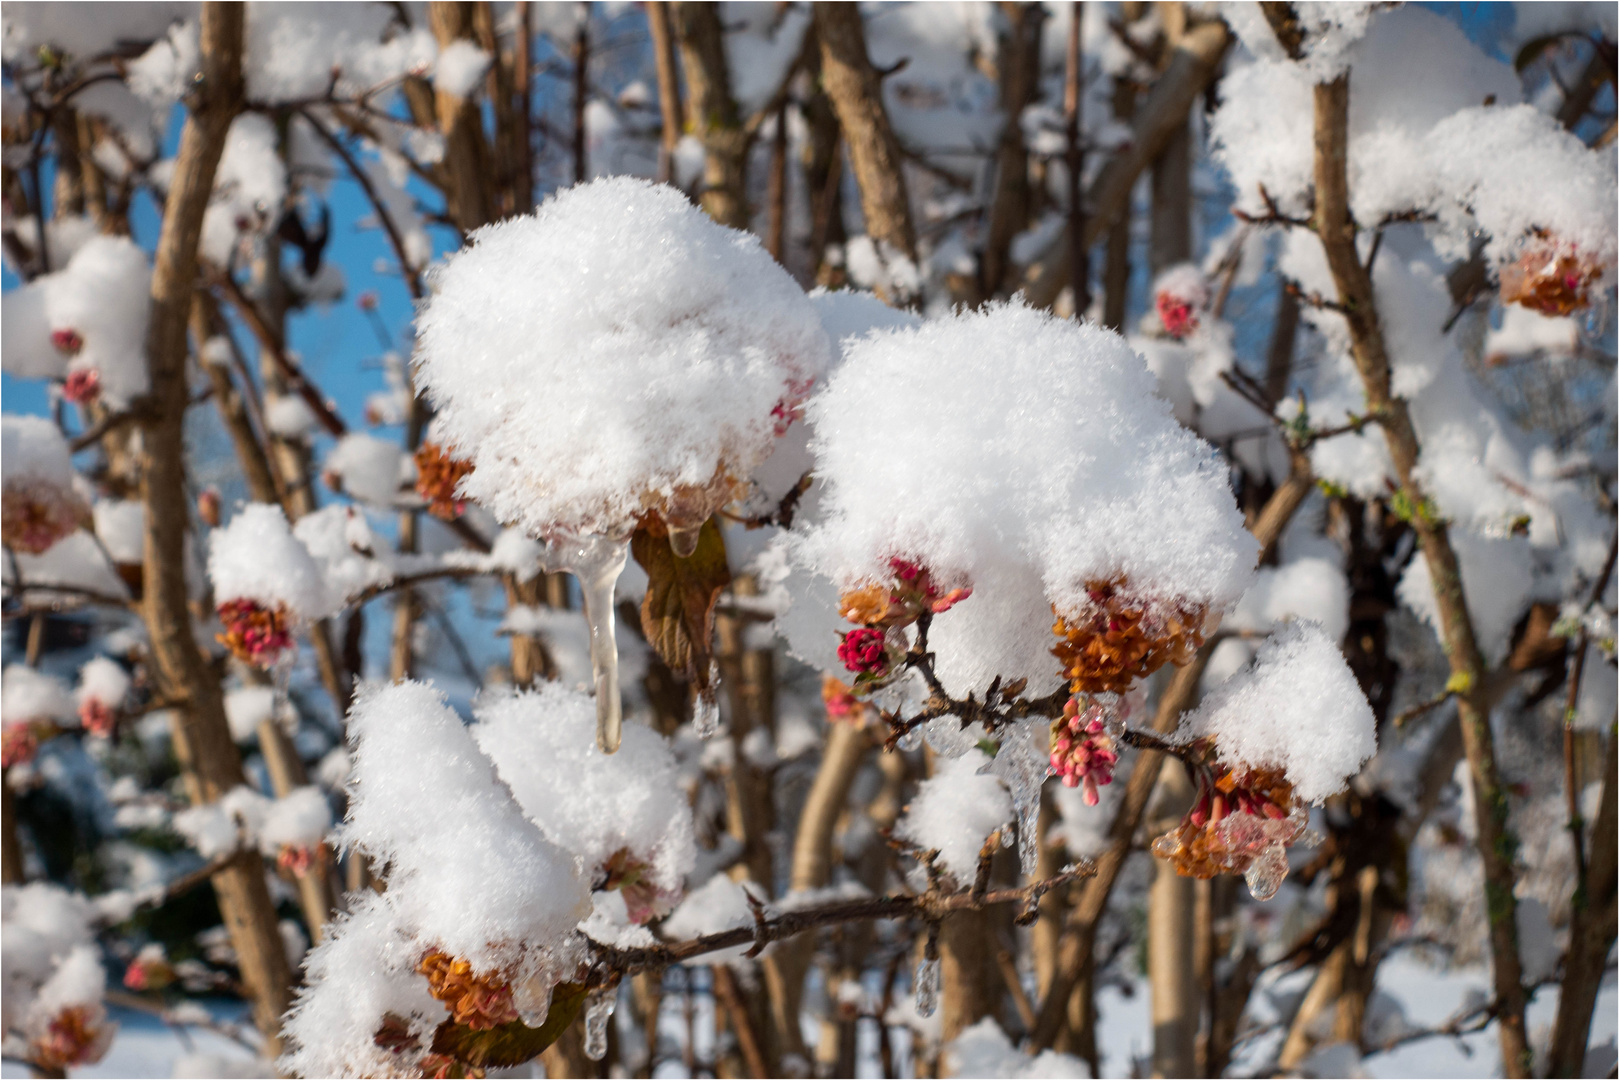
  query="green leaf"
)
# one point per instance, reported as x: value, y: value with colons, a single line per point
x: 678, y: 612
x: 514, y: 1043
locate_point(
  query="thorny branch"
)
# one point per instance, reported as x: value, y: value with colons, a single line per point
x: 611, y: 962
x: 1002, y: 704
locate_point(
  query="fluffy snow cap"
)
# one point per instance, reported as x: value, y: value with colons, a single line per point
x: 1024, y: 456
x: 1008, y: 433
x: 593, y: 804
x: 1296, y: 707
x: 615, y: 347
x: 256, y: 557
x: 34, y: 452
x: 468, y: 872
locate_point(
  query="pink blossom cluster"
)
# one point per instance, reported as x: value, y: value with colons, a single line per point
x: 1083, y: 753
x: 83, y: 386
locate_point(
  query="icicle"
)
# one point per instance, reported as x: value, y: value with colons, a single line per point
x: 597, y: 1012
x: 705, y: 713
x: 1266, y: 873
x: 1022, y: 764
x: 683, y: 539
x: 597, y: 561
x: 925, y: 986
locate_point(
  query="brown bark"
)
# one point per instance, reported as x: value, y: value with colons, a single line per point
x: 466, y: 154
x: 712, y: 112
x: 1192, y: 65
x: 580, y: 57
x: 1334, y: 225
x: 1171, y: 233
x: 1591, y: 934
x: 669, y: 107
x: 776, y: 224
x: 1018, y: 70
x: 1279, y: 354
x: 1170, y: 969
x: 856, y: 91
x: 1116, y: 255
x: 232, y: 406
x: 1079, y: 264
x: 498, y: 83
x: 201, y: 736
x: 968, y: 975
x: 786, y: 965
x: 523, y: 105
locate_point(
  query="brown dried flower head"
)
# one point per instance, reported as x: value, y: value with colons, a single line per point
x: 437, y: 476
x: 1551, y: 278
x: 1122, y: 639
x: 480, y: 1002
x: 1243, y: 822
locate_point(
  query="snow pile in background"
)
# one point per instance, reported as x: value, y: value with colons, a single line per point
x: 954, y: 811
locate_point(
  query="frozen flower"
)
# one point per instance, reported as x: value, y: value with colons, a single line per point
x: 19, y: 743
x: 478, y: 1001
x: 1122, y: 638
x: 150, y: 970
x: 296, y: 859
x: 1243, y: 822
x: 33, y: 517
x: 1178, y: 294
x: 82, y: 386
x: 254, y: 633
x: 98, y: 717
x: 437, y: 476
x: 77, y: 1035
x: 1549, y: 278
x: 841, y: 703
x: 910, y: 593
x: 67, y: 341
x: 863, y: 651
x: 1083, y: 752
x: 633, y: 879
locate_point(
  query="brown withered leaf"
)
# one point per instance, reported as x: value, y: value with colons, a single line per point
x: 514, y: 1043
x: 677, y: 615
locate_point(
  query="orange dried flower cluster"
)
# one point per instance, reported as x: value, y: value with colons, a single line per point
x: 1242, y: 823
x: 254, y: 633
x: 78, y: 1035
x: 902, y: 600
x: 437, y: 476
x: 480, y: 1002
x: 1122, y: 639
x: 1549, y: 278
